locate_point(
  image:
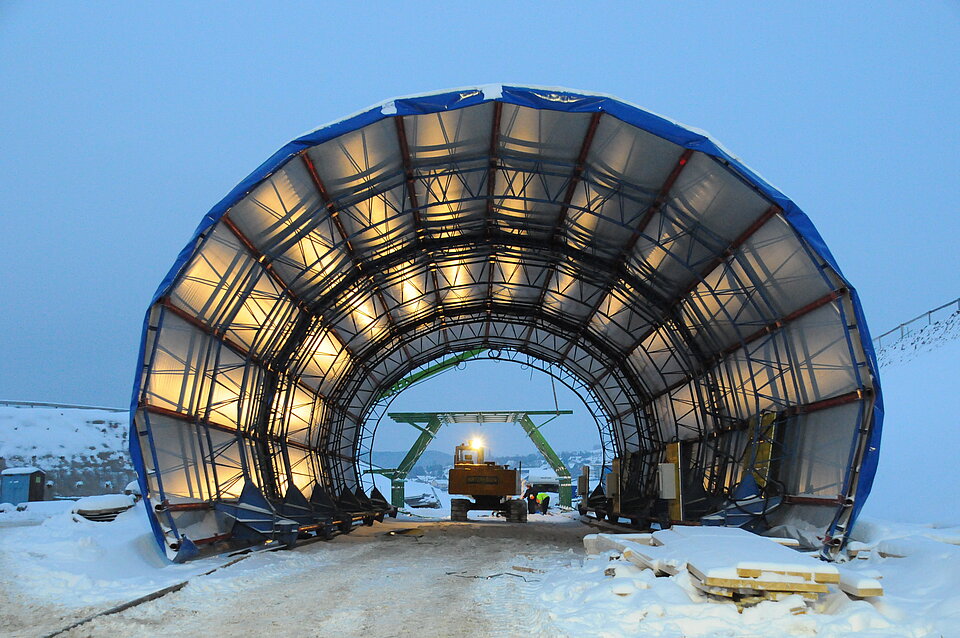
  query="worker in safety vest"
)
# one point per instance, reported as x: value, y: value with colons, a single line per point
x: 530, y: 496
x: 544, y: 499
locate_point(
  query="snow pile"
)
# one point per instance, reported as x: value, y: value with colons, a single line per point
x: 54, y: 557
x: 634, y: 602
x: 32, y: 513
x: 608, y: 596
x: 925, y: 339
x: 50, y: 560
x: 104, y: 502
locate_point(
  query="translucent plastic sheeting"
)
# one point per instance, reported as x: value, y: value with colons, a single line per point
x: 688, y: 296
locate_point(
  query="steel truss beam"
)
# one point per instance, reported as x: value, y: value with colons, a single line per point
x: 762, y: 332
x: 476, y: 317
x: 638, y: 232
x: 572, y: 381
x: 419, y: 230
x: 721, y: 259
x: 575, y: 178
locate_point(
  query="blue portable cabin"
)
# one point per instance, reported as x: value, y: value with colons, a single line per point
x: 21, y: 484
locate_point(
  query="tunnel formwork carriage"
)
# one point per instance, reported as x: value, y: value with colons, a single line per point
x: 693, y: 301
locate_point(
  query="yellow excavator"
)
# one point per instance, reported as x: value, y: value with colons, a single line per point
x: 488, y: 484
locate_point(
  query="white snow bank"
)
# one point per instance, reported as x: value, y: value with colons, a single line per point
x: 70, y: 561
x: 633, y: 602
x: 31, y: 513
x: 871, y: 531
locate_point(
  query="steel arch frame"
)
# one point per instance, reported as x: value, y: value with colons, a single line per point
x: 672, y: 317
x: 571, y: 381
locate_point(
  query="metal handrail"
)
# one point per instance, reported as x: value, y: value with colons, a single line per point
x: 904, y: 328
x: 41, y: 404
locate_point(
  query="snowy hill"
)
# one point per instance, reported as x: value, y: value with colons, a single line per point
x: 82, y: 450
x: 925, y: 338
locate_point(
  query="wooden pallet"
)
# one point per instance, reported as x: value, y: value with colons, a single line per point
x: 734, y: 565
x: 764, y: 583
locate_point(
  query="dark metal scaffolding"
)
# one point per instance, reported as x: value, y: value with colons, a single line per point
x: 684, y: 297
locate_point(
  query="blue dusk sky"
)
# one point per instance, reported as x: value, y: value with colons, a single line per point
x: 124, y: 122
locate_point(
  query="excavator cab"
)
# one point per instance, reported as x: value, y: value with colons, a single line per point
x: 469, y: 454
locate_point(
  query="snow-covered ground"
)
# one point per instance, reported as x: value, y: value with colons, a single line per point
x: 433, y: 582
x: 483, y: 578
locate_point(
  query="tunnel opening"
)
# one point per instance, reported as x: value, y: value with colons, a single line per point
x: 483, y: 394
x: 696, y: 303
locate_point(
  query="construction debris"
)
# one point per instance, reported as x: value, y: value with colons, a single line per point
x: 730, y: 564
x: 415, y: 532
x: 859, y: 584
x: 103, y: 508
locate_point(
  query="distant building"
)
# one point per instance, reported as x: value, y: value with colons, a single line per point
x: 21, y: 484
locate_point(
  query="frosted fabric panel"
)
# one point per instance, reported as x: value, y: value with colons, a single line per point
x: 542, y: 135
x: 452, y: 202
x: 357, y: 165
x: 212, y: 283
x: 437, y: 138
x: 284, y: 218
x: 616, y: 320
x: 410, y: 292
x: 226, y: 289
x: 324, y: 360
x: 625, y: 170
x: 179, y: 459
x: 175, y: 380
x: 380, y: 224
x: 568, y: 294
x: 720, y: 202
x: 819, y: 444
x: 516, y: 280
x: 360, y: 318
x: 293, y: 414
x: 623, y: 154
x: 196, y: 375
x: 667, y: 355
x: 226, y: 460
x: 275, y: 211
x: 775, y: 260
x: 820, y: 355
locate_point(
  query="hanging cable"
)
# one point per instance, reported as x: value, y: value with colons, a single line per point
x: 553, y: 386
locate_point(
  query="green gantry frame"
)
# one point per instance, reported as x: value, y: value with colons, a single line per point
x: 429, y: 424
